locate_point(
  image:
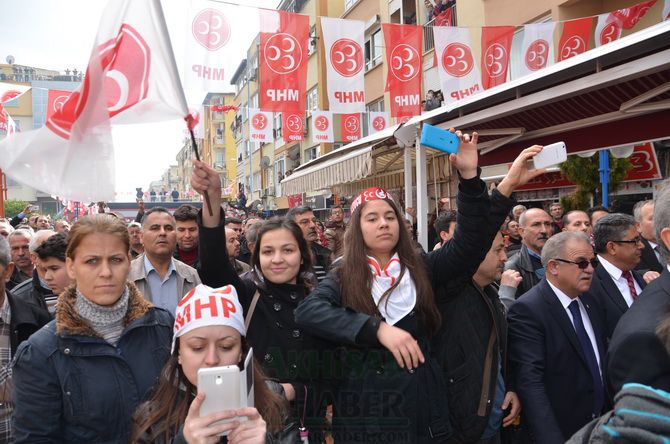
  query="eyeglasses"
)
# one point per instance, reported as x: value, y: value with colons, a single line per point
x: 583, y: 264
x: 637, y: 240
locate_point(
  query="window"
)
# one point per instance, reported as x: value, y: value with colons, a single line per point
x: 312, y: 41
x: 373, y: 49
x: 257, y: 181
x: 254, y: 101
x: 349, y: 3
x: 377, y: 106
x: 220, y: 157
x: 278, y: 122
x: 220, y: 134
x: 312, y: 100
x: 311, y: 153
x: 280, y: 170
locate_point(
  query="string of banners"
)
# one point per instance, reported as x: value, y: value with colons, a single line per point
x: 283, y: 64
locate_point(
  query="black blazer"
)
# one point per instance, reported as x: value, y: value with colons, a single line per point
x: 648, y: 260
x: 607, y: 296
x: 553, y: 379
x: 635, y: 353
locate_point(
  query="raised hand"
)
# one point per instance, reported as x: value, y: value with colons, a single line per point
x: 519, y: 174
x: 205, y: 179
x: 466, y: 159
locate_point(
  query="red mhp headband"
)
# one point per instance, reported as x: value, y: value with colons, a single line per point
x: 369, y: 195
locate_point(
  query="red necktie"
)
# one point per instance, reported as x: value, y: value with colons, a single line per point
x: 631, y: 284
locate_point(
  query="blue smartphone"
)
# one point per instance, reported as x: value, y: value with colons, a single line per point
x: 439, y: 139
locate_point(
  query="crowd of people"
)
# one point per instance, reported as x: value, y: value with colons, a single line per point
x: 517, y: 325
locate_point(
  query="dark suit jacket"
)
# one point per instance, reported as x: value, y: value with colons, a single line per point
x: 553, y: 379
x: 635, y: 353
x: 608, y: 297
x: 648, y: 260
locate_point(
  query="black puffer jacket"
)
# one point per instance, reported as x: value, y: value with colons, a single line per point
x: 522, y: 263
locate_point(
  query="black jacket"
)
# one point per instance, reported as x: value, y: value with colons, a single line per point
x: 25, y: 319
x: 606, y: 294
x: 522, y: 263
x: 635, y: 353
x: 553, y: 380
x: 321, y: 260
x: 16, y: 278
x: 648, y: 259
x: 376, y: 401
x: 463, y: 347
x: 33, y: 293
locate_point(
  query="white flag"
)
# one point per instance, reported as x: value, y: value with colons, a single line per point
x: 458, y: 70
x: 537, y: 49
x: 131, y: 78
x: 378, y: 121
x: 260, y: 126
x: 608, y: 29
x: 10, y: 91
x: 322, y: 126
x: 345, y: 64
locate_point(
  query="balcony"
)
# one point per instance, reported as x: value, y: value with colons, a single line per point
x: 446, y: 18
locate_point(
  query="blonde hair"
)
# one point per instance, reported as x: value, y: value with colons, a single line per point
x: 97, y: 223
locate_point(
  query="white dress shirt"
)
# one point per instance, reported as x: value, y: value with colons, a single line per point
x: 565, y: 301
x: 621, y: 283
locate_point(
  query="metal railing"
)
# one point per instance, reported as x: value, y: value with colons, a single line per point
x: 428, y: 36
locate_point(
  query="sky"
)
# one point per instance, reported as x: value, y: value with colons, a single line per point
x: 59, y: 35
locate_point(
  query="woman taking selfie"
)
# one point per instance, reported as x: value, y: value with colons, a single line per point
x: 208, y: 335
x: 269, y: 293
x: 80, y: 378
x: 380, y: 305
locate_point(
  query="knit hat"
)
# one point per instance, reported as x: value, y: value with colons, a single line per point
x: 204, y: 306
x: 369, y: 195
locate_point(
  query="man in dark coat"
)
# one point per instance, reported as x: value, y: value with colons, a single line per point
x: 652, y: 259
x: 557, y: 343
x: 636, y: 354
x: 321, y: 256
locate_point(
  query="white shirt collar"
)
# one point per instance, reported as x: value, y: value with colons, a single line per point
x: 612, y: 269
x: 564, y: 298
x: 652, y: 244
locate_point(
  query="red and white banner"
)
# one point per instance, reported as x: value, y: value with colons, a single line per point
x: 7, y: 124
x: 350, y: 127
x: 608, y: 29
x: 459, y: 74
x: 131, y: 77
x: 283, y: 60
x: 379, y: 121
x: 322, y: 126
x: 403, y: 58
x: 574, y: 38
x: 537, y: 48
x: 496, y: 50
x: 345, y: 63
x: 293, y: 126
x: 10, y: 91
x: 55, y: 100
x: 260, y: 126
x: 628, y: 17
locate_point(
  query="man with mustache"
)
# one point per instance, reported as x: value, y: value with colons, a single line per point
x: 162, y: 279
x: 535, y: 227
x: 304, y: 217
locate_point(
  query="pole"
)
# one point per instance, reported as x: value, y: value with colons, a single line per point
x: 3, y: 193
x: 604, y: 176
x: 421, y: 195
x: 251, y: 151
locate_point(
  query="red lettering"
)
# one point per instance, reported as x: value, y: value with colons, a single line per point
x: 199, y: 307
x: 228, y: 307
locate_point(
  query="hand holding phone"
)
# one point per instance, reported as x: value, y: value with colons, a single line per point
x: 439, y: 139
x: 551, y: 155
x: 221, y: 386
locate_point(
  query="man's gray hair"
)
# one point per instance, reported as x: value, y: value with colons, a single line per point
x: 555, y: 246
x: 5, y: 255
x: 28, y: 234
x: 252, y: 233
x: 662, y: 217
x: 39, y: 238
x: 637, y: 209
x: 611, y: 227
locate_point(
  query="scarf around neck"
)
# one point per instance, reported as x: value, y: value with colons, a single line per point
x: 402, y: 299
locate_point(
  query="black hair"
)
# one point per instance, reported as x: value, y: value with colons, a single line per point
x: 55, y: 246
x: 297, y: 211
x: 155, y: 210
x: 185, y: 213
x: 444, y: 220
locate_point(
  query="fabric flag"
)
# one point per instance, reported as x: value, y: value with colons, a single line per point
x: 574, y: 38
x: 629, y: 17
x: 260, y: 126
x: 666, y: 10
x: 608, y: 29
x: 322, y: 126
x: 209, y: 40
x: 7, y: 124
x: 131, y: 77
x: 55, y: 100
x: 403, y: 58
x: 458, y: 71
x: 10, y: 91
x: 283, y: 49
x: 378, y: 121
x: 350, y: 127
x: 343, y: 42
x: 293, y: 127
x: 496, y: 50
x: 537, y: 48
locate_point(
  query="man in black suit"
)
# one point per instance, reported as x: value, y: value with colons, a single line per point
x: 635, y: 353
x: 556, y: 342
x: 651, y: 260
x: 616, y: 285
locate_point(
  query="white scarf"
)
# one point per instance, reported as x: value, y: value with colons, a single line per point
x: 403, y: 298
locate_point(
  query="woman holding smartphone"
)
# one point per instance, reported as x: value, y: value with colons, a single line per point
x: 81, y: 377
x: 209, y: 332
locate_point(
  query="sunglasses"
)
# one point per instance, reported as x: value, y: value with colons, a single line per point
x: 583, y: 264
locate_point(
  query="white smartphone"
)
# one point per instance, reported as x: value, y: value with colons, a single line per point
x: 221, y: 386
x: 551, y: 155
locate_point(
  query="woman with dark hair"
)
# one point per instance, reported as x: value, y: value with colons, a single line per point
x: 214, y: 339
x: 81, y: 377
x: 379, y: 306
x: 269, y: 293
